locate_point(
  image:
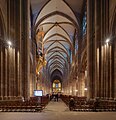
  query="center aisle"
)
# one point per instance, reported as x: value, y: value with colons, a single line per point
x: 54, y: 106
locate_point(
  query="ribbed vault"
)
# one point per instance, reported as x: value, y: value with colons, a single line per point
x: 56, y: 28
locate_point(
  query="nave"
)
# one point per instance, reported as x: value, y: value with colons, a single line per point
x: 52, y: 47
x: 57, y: 111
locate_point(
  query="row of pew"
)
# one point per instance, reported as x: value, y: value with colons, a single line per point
x: 97, y: 105
x: 34, y: 104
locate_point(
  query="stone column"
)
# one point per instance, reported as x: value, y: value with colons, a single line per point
x: 90, y: 49
x: 18, y: 49
x: 2, y: 54
x: 1, y: 71
x: 102, y: 49
x: 102, y: 55
x: 97, y: 46
x: 114, y: 64
x: 111, y: 72
x: 88, y: 40
x: 5, y: 72
x: 25, y: 49
x: 108, y: 72
x: 11, y: 64
x: 8, y: 38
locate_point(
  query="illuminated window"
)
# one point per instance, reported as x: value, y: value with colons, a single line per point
x: 53, y: 85
x: 56, y: 85
x: 84, y: 23
x: 59, y: 84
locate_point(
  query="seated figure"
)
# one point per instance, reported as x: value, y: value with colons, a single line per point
x: 71, y: 104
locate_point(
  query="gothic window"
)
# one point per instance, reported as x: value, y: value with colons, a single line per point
x: 84, y: 23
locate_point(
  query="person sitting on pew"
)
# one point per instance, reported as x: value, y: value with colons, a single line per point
x: 71, y: 104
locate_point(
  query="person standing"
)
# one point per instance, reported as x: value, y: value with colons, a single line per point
x: 57, y: 97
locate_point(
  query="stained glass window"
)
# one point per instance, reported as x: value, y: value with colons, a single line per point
x: 57, y: 85
x: 84, y: 23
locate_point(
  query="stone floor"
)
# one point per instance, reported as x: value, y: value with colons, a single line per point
x: 57, y: 111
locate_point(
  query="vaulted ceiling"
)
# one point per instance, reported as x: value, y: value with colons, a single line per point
x: 57, y: 25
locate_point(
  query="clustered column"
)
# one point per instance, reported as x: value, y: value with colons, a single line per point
x: 99, y: 53
x: 14, y: 58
